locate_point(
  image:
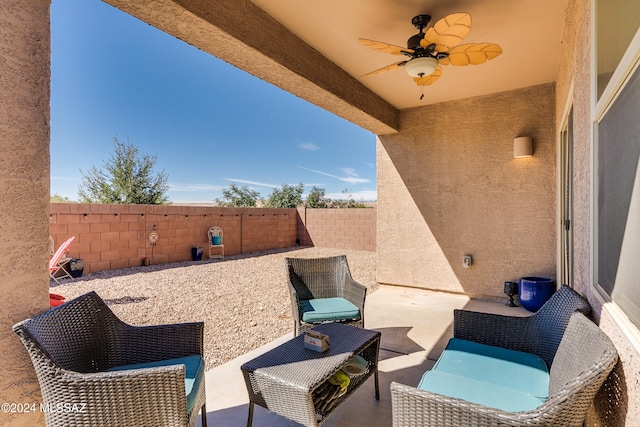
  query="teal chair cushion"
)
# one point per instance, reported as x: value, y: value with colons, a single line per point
x: 511, y: 369
x: 328, y: 309
x: 483, y: 393
x: 193, y: 377
x: 497, y: 377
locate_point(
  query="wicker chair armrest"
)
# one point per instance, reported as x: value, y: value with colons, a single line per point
x: 139, y: 344
x: 491, y: 329
x: 414, y: 407
x: 150, y: 396
x: 295, y: 301
x: 355, y: 292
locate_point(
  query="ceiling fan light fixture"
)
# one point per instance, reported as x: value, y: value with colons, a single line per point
x: 420, y: 67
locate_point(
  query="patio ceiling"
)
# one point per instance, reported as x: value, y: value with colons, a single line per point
x: 311, y: 49
x: 529, y: 32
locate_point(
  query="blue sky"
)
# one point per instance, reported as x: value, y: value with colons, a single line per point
x: 209, y: 123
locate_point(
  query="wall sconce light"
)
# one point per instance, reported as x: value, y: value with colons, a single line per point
x: 522, y: 147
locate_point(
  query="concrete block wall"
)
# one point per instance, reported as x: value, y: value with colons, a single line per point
x: 110, y: 237
x: 115, y: 236
x: 338, y: 228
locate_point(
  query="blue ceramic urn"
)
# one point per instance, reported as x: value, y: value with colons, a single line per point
x: 533, y: 292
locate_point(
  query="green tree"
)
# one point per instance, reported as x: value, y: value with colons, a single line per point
x: 316, y: 198
x: 56, y: 198
x: 240, y: 197
x: 289, y: 196
x: 126, y: 178
x: 349, y: 203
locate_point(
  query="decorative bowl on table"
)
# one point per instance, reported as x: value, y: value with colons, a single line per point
x: 355, y: 367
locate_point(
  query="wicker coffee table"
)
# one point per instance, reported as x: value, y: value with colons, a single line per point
x: 291, y: 380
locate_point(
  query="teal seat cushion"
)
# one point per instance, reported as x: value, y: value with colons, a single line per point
x: 515, y: 370
x: 483, y: 393
x: 193, y: 377
x: 328, y: 309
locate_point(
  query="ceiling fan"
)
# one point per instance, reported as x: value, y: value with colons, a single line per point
x: 428, y: 51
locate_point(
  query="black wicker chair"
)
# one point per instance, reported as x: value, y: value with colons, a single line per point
x: 579, y: 355
x: 85, y: 356
x: 311, y: 279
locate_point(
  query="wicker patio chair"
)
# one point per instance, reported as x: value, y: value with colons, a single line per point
x: 579, y: 354
x: 324, y: 280
x: 95, y: 370
x: 538, y: 334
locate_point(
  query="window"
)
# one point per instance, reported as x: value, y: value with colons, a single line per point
x: 618, y: 200
x: 617, y: 155
x: 617, y: 23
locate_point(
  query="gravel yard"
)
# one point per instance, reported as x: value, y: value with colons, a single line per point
x: 243, y: 300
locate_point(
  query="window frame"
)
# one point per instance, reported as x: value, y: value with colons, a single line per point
x: 600, y: 106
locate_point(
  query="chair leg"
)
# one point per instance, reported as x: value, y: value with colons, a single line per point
x: 250, y: 416
x: 204, y: 415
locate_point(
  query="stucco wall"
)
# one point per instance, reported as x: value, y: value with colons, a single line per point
x: 24, y: 192
x: 448, y: 185
x: 618, y: 402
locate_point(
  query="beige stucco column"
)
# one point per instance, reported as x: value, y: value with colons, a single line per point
x: 24, y: 192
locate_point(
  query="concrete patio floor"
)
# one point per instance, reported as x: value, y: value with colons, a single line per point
x: 415, y: 325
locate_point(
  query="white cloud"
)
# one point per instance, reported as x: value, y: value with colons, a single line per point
x: 309, y: 146
x: 194, y: 187
x: 351, y: 178
x: 244, y: 181
x: 349, y: 172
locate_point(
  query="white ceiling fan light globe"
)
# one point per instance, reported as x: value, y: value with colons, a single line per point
x: 420, y: 67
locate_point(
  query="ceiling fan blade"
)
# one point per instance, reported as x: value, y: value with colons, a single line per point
x: 385, y: 47
x: 430, y: 79
x: 472, y: 54
x: 448, y: 32
x: 385, y: 69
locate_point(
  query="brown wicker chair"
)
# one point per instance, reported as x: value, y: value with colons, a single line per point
x: 319, y: 278
x: 579, y: 354
x: 85, y: 356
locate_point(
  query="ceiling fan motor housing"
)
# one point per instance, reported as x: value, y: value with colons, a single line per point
x: 414, y: 42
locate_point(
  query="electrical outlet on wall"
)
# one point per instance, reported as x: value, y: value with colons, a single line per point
x: 467, y: 260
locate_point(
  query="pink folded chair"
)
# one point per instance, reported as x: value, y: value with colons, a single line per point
x: 54, y: 263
